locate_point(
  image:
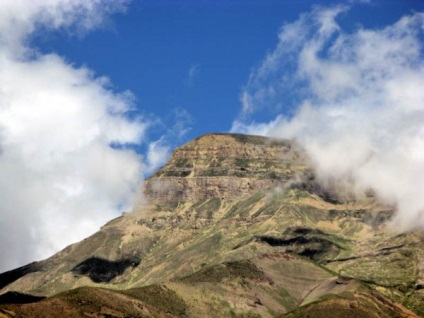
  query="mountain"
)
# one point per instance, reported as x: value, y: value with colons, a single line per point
x: 232, y: 226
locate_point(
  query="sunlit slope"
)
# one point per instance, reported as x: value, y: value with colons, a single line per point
x: 230, y: 206
x: 267, y: 286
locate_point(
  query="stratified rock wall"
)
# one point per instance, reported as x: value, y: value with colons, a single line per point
x: 225, y: 166
x: 173, y: 189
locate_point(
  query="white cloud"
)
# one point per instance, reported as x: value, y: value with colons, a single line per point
x: 60, y: 178
x: 21, y: 18
x: 355, y: 101
x: 158, y: 153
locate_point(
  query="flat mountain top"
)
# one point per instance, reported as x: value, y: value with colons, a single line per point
x: 230, y: 166
x: 236, y: 225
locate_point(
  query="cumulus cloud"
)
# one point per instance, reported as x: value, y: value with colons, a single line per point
x: 355, y: 100
x: 65, y: 164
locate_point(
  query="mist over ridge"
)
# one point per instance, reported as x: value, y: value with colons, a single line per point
x: 360, y: 104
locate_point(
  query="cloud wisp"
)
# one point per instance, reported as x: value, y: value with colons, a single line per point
x: 354, y: 100
x: 64, y: 165
x: 174, y: 131
x: 192, y: 74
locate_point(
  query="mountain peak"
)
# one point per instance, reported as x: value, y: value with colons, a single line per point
x: 225, y: 166
x: 240, y: 218
x: 221, y: 138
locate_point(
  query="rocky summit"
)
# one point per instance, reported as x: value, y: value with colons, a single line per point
x: 232, y: 226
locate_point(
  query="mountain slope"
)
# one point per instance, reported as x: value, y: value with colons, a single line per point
x: 261, y: 287
x: 229, y: 204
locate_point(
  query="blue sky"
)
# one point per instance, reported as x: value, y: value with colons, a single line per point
x: 95, y: 94
x: 197, y: 55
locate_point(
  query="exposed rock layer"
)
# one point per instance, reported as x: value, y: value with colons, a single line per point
x: 226, y: 166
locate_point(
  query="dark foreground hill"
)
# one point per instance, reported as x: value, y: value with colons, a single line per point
x: 234, y: 226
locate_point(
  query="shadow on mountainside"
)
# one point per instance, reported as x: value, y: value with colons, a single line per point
x: 101, y: 270
x: 9, y: 277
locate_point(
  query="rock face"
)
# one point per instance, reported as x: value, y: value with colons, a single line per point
x: 226, y: 166
x: 235, y: 226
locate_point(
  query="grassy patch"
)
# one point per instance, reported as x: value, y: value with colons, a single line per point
x: 242, y: 162
x: 243, y: 208
x: 176, y: 173
x: 270, y: 208
x: 207, y: 209
x: 217, y: 273
x: 159, y: 297
x: 363, y: 306
x: 296, y: 194
x: 213, y: 172
x: 183, y: 163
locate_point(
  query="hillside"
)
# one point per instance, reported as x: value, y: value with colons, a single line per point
x: 233, y: 225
